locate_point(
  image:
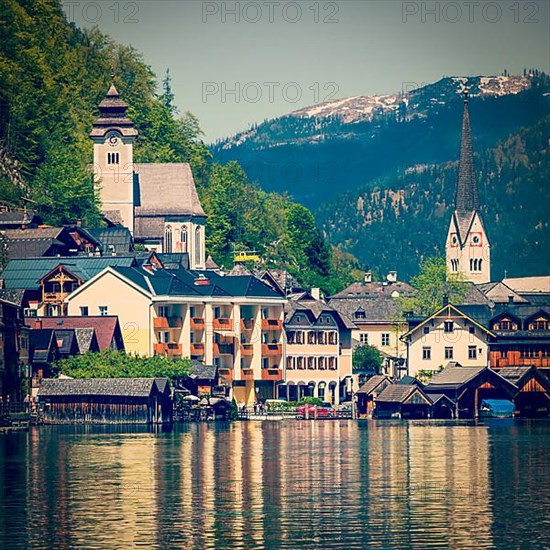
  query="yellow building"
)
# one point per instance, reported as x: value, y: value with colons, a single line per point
x: 232, y: 322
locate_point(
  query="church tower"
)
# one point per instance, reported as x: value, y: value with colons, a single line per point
x: 113, y: 135
x: 467, y: 248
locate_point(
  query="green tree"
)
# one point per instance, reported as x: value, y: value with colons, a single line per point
x: 431, y: 285
x: 367, y: 358
x: 117, y: 364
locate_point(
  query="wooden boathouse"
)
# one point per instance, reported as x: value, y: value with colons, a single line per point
x: 105, y: 401
x: 533, y: 390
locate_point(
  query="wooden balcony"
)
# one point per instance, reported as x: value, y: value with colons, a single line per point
x: 167, y: 323
x: 222, y: 324
x: 272, y: 349
x: 197, y: 349
x: 247, y: 324
x: 502, y: 362
x: 197, y: 323
x: 223, y: 349
x: 247, y: 374
x: 272, y: 374
x: 272, y: 324
x: 247, y: 349
x: 170, y: 350
x: 54, y: 297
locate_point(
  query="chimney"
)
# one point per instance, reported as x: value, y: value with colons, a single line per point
x: 79, y: 223
x: 38, y: 324
x: 316, y: 293
x: 368, y: 277
x: 392, y: 277
x: 510, y: 299
x: 445, y: 299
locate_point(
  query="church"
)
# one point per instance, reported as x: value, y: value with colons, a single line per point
x: 157, y: 202
x: 468, y: 250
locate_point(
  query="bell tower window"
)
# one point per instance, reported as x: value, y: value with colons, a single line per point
x: 113, y: 158
x: 198, y: 254
x: 168, y: 239
x: 183, y: 239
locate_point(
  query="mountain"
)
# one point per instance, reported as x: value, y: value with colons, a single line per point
x: 380, y: 171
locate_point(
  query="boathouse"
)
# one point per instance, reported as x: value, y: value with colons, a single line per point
x: 533, y: 390
x: 402, y: 401
x: 105, y: 401
x: 469, y: 386
x: 368, y: 392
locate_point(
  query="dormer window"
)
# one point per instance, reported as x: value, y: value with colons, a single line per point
x: 359, y: 314
x: 539, y: 324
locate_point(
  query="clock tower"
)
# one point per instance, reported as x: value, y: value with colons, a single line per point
x: 467, y: 247
x: 113, y: 135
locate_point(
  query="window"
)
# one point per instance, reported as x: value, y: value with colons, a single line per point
x: 164, y: 337
x: 183, y: 239
x: 359, y: 314
x: 198, y: 253
x: 472, y: 330
x: 472, y: 352
x: 163, y: 311
x: 103, y: 310
x: 113, y: 158
x: 426, y: 330
x: 540, y: 325
x: 84, y: 311
x: 29, y: 312
x: 448, y: 353
x: 385, y: 339
x: 364, y: 338
x: 448, y: 326
x: 504, y: 325
x: 168, y: 239
x: 503, y: 354
x: 265, y: 363
x: 426, y: 353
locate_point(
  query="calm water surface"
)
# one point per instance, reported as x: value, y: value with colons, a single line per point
x: 326, y: 484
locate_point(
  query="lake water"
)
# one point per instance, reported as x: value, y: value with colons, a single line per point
x: 291, y: 484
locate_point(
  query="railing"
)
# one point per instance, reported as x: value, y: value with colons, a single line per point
x: 272, y: 324
x: 540, y: 362
x: 222, y: 324
x: 272, y: 374
x: 223, y: 349
x: 272, y: 349
x: 170, y: 349
x: 197, y: 323
x: 247, y: 349
x: 168, y: 322
x: 55, y: 296
x: 197, y: 349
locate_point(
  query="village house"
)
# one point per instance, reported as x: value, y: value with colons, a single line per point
x: 318, y: 350
x: 375, y: 310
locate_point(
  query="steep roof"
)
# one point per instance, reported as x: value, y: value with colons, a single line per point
x: 519, y: 375
x: 314, y: 309
x: 42, y: 345
x: 25, y: 273
x: 166, y: 189
x: 106, y: 327
x: 86, y: 339
x: 499, y: 292
x: 119, y: 387
x: 373, y: 383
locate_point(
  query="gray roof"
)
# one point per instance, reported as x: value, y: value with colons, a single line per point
x: 454, y: 375
x: 499, y: 292
x: 166, y: 189
x: 13, y: 296
x: 397, y: 393
x: 436, y: 397
x: 313, y: 309
x: 16, y: 217
x: 84, y: 338
x: 517, y: 375
x: 123, y: 387
x: 201, y: 371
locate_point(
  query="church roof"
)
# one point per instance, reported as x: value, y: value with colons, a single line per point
x: 467, y: 197
x: 166, y: 189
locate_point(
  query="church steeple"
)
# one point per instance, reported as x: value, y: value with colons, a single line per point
x: 112, y: 116
x: 467, y: 248
x: 467, y: 196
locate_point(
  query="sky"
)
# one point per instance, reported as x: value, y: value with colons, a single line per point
x: 236, y: 63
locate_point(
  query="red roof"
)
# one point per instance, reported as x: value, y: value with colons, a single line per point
x: 106, y: 327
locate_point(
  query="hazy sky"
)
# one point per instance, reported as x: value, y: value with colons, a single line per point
x: 277, y: 56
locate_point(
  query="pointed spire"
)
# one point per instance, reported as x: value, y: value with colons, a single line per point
x: 467, y: 197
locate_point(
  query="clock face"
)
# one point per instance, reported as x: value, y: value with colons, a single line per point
x: 113, y: 140
x: 476, y: 239
x: 454, y: 240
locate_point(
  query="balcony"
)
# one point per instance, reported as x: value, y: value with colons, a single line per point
x: 272, y: 324
x: 197, y: 349
x: 223, y: 349
x: 272, y: 374
x: 170, y: 350
x: 197, y: 323
x: 247, y: 324
x: 247, y: 349
x: 222, y: 324
x: 55, y: 297
x: 225, y: 374
x: 272, y: 349
x: 247, y: 374
x: 167, y: 322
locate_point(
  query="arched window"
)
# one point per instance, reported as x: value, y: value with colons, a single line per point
x: 183, y: 239
x: 168, y: 239
x: 471, y: 264
x: 198, y: 255
x: 479, y: 264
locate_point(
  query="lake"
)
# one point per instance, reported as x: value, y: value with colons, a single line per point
x: 290, y: 484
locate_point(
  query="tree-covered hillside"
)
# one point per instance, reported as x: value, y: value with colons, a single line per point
x: 52, y: 77
x: 392, y: 223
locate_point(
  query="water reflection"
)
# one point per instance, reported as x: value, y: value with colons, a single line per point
x: 333, y: 484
